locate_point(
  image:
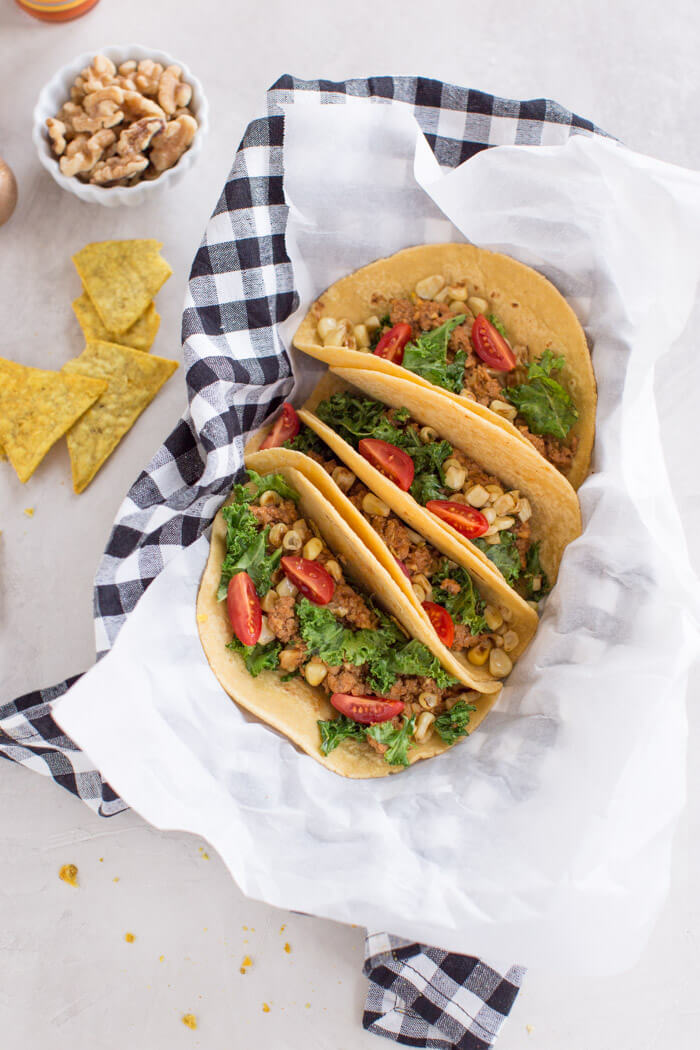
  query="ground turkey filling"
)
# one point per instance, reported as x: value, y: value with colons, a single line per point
x: 351, y: 608
x: 482, y: 383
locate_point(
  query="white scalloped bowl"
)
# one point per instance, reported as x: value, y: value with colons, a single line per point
x: 57, y: 91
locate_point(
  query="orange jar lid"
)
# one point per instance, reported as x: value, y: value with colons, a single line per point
x: 56, y: 10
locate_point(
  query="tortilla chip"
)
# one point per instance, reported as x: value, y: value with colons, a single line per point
x: 121, y: 278
x: 140, y: 336
x: 133, y: 380
x: 37, y: 408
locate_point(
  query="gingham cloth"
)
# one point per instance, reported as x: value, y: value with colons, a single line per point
x: 241, y: 286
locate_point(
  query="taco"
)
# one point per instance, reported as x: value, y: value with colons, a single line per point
x: 493, y: 334
x: 305, y: 629
x: 434, y: 463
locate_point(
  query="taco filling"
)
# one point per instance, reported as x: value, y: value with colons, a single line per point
x: 451, y: 338
x: 293, y: 611
x: 441, y: 478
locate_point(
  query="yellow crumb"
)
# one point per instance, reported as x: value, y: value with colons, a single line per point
x: 203, y: 853
x: 307, y: 1005
x: 129, y: 938
x: 29, y: 511
x: 288, y: 947
x: 161, y: 958
x: 529, y: 1028
x: 202, y: 617
x: 283, y: 927
x: 101, y: 860
x: 189, y: 1020
x: 69, y: 874
x: 265, y: 1008
x: 247, y: 961
x: 115, y: 879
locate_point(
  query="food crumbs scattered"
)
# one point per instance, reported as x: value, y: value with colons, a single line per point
x: 307, y: 1005
x: 69, y: 874
x: 115, y: 879
x: 29, y: 511
x: 265, y: 1008
x: 161, y: 958
x: 283, y: 927
x: 129, y: 938
x: 203, y: 853
x: 189, y: 1020
x: 288, y: 947
x: 247, y: 961
x: 529, y: 1028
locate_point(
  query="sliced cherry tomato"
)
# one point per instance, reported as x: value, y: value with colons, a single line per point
x: 491, y: 347
x: 392, y: 462
x: 286, y: 427
x: 244, y: 609
x: 403, y: 568
x: 367, y: 709
x: 314, y: 582
x: 442, y: 622
x: 392, y: 344
x: 465, y: 519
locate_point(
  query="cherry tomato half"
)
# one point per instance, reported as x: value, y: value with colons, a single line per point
x: 314, y: 582
x: 403, y: 568
x: 392, y: 344
x: 465, y: 519
x: 244, y: 609
x: 286, y: 427
x: 442, y: 622
x: 392, y: 462
x: 367, y: 709
x: 491, y: 347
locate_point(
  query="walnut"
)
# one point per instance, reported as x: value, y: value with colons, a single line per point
x: 127, y: 68
x: 137, y: 137
x: 83, y: 153
x: 117, y: 168
x: 148, y: 76
x: 57, y: 131
x: 67, y: 113
x: 137, y: 106
x: 172, y: 91
x: 125, y: 83
x: 99, y: 74
x: 170, y: 143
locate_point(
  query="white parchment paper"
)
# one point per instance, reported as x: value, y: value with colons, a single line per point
x: 545, y: 839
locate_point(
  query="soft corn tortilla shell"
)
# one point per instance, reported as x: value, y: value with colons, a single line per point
x: 534, y: 312
x: 121, y: 278
x: 523, y: 619
x: 139, y: 337
x: 556, y: 517
x: 294, y: 707
x: 133, y: 380
x: 37, y: 408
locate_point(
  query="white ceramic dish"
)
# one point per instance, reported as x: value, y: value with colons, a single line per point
x: 57, y: 91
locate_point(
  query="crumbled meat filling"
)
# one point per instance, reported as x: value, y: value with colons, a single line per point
x: 282, y: 619
x: 285, y: 511
x: 348, y: 605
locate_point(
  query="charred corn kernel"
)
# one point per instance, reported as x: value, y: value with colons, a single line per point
x: 289, y: 659
x: 340, y: 335
x: 269, y: 601
x: 427, y: 435
x: 422, y: 581
x: 291, y: 541
x: 493, y: 618
x: 361, y: 336
x: 313, y: 548
x: 458, y: 292
x: 502, y: 408
x: 372, y: 324
x: 498, y: 640
x: 333, y: 569
x: 505, y: 504
x: 419, y: 592
x: 494, y: 491
x: 500, y: 664
x: 510, y: 641
x: 493, y: 540
x: 524, y: 510
x: 270, y: 499
x: 286, y: 589
x: 302, y: 527
x: 506, y: 613
x: 266, y: 635
x: 489, y: 513
x: 344, y: 478
x: 477, y: 305
x: 428, y: 701
x: 315, y: 671
x: 429, y: 287
x: 537, y: 583
x: 456, y: 306
x: 466, y: 392
x: 455, y: 478
x: 459, y: 497
x: 503, y: 523
x: 477, y: 496
x: 451, y: 461
x: 276, y: 534
x: 424, y: 727
x: 442, y: 296
x: 372, y: 505
x: 479, y: 654
x: 326, y: 325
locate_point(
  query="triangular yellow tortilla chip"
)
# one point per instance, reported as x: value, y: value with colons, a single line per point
x: 140, y: 336
x: 37, y: 408
x: 133, y: 380
x: 121, y: 278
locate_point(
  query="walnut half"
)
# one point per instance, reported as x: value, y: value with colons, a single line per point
x: 170, y: 143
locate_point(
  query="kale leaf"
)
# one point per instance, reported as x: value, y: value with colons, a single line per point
x: 534, y: 568
x: 542, y: 401
x: 455, y: 723
x: 257, y: 657
x: 398, y: 741
x: 351, y: 416
x: 427, y: 357
x: 467, y: 606
x: 504, y: 555
x: 338, y: 729
x: 307, y: 440
x: 416, y: 659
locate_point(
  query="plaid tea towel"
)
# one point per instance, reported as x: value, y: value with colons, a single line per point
x: 241, y: 286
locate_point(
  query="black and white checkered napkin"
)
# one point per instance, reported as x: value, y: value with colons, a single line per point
x: 240, y: 288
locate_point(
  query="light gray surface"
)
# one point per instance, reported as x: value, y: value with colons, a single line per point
x: 68, y: 975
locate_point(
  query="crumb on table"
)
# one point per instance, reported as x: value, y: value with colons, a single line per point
x: 69, y: 873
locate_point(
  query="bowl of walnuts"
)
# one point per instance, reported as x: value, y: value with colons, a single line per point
x: 112, y: 128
